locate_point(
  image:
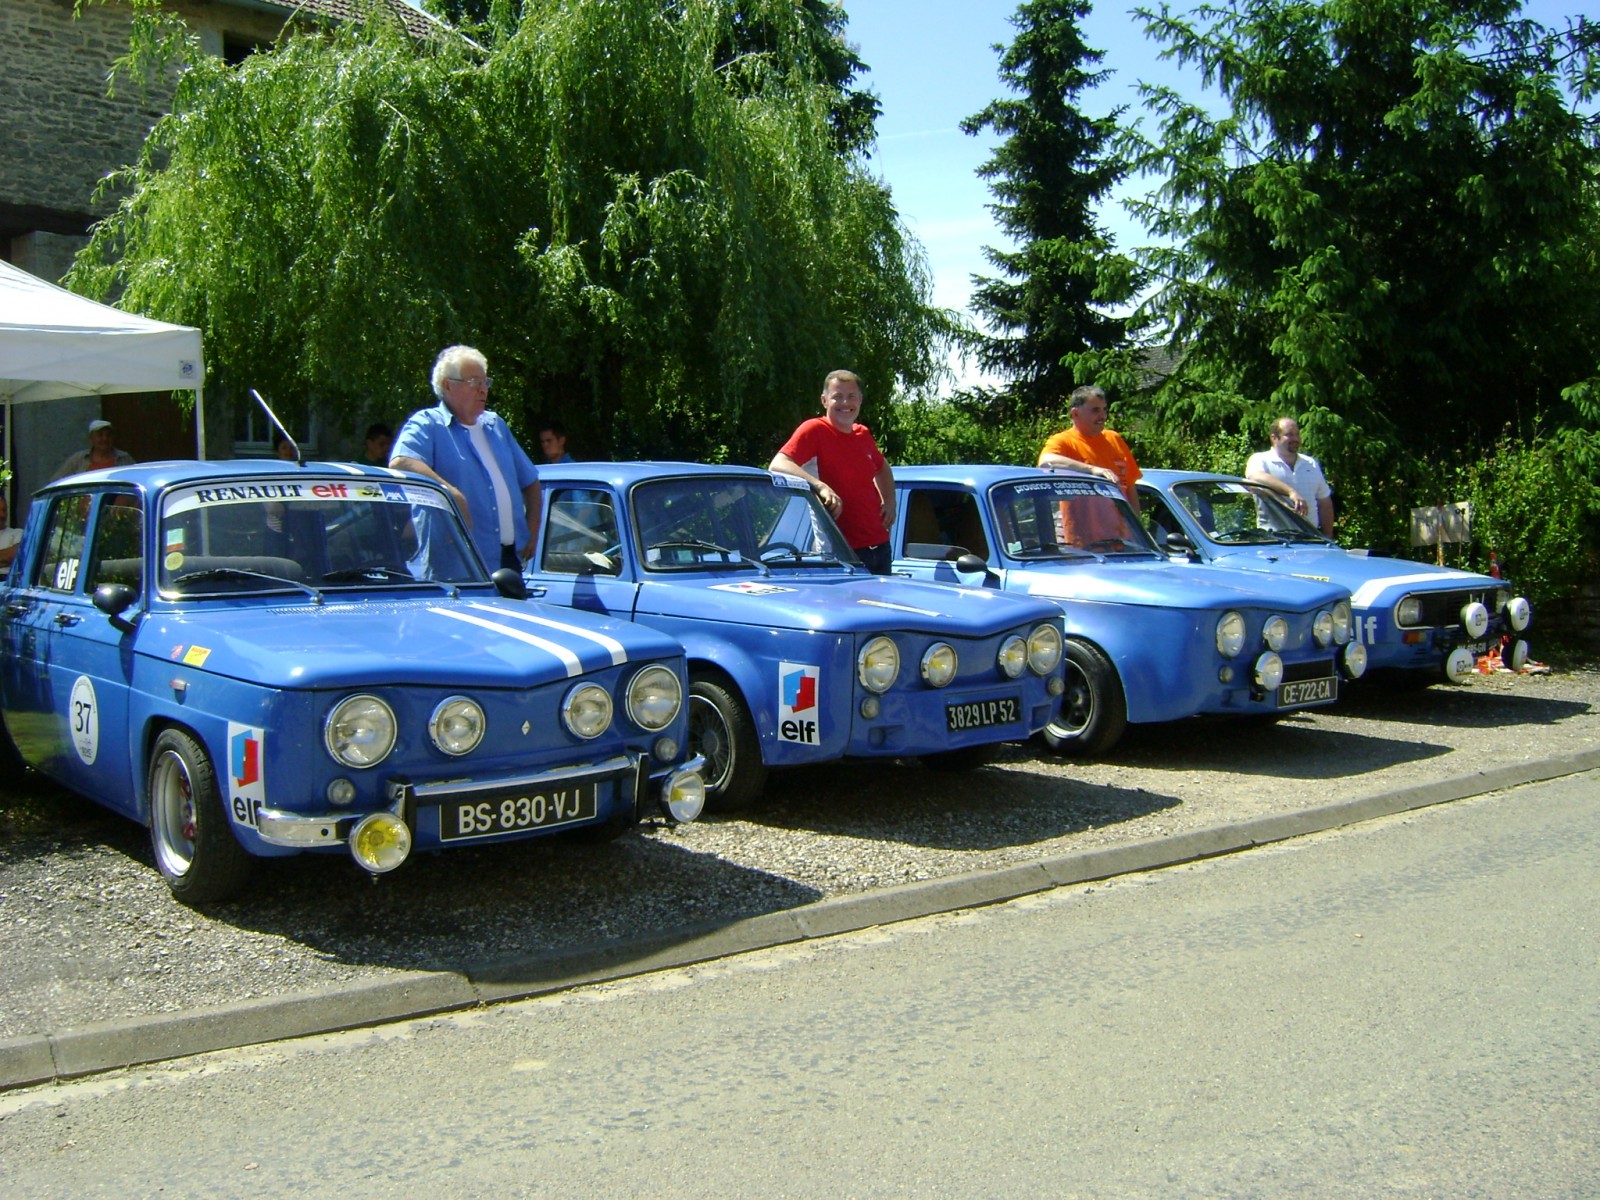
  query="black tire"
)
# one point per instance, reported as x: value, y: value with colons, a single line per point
x: 721, y: 728
x: 967, y: 758
x: 194, y: 846
x: 1094, y: 712
x: 10, y: 756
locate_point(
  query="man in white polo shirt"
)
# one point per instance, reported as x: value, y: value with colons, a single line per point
x: 472, y: 452
x: 1296, y: 477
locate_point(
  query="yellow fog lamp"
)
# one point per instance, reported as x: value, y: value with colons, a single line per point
x: 380, y: 842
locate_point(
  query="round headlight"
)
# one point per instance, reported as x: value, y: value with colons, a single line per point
x: 1344, y: 622
x: 587, y: 710
x: 1275, y: 633
x: 1044, y: 649
x: 1322, y: 628
x: 1475, y: 619
x: 878, y: 665
x: 1518, y: 657
x: 939, y: 664
x: 1269, y: 671
x: 683, y: 796
x: 380, y: 842
x: 1230, y: 635
x: 1013, y: 657
x: 1519, y: 613
x: 457, y: 725
x: 1355, y: 660
x: 1408, y: 611
x: 654, y: 698
x: 360, y: 731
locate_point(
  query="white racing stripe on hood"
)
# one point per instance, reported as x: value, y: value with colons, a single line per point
x: 1364, y: 595
x: 618, y: 652
x: 567, y: 657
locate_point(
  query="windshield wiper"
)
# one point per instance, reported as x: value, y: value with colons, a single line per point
x: 734, y: 558
x: 183, y: 581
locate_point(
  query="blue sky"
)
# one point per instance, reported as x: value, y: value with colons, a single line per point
x: 932, y: 65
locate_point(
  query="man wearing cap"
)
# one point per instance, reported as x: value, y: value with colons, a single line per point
x: 102, y: 452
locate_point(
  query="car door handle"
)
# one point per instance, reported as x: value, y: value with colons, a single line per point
x: 65, y: 619
x: 538, y: 589
x: 16, y: 610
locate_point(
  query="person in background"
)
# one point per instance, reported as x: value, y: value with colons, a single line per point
x: 1089, y: 446
x: 553, y: 442
x: 102, y: 452
x: 9, y: 537
x: 470, y: 450
x: 380, y: 441
x: 1297, y: 477
x: 853, y: 479
x: 283, y: 447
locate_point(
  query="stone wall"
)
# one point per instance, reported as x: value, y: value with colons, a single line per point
x: 61, y: 130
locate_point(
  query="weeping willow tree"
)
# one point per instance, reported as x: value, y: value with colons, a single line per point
x: 666, y: 249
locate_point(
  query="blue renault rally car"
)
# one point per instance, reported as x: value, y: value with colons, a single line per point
x: 260, y: 658
x: 1147, y: 640
x: 1418, y: 621
x: 796, y: 653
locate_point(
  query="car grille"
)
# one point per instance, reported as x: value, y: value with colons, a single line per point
x: 1443, y: 609
x: 1318, y: 669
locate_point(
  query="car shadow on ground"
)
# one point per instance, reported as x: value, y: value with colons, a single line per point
x: 1295, y: 747
x: 1002, y: 805
x: 1468, y: 706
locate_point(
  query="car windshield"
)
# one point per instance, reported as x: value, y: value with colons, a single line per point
x: 706, y: 522
x: 251, y: 535
x: 1234, y: 512
x: 1067, y: 518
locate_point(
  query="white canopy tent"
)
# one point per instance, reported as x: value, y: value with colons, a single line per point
x: 55, y: 344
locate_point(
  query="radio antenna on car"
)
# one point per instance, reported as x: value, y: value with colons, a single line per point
x: 299, y: 459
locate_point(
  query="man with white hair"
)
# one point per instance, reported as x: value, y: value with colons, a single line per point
x: 472, y: 452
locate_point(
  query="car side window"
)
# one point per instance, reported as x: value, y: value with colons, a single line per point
x: 1158, y: 519
x: 581, y: 533
x: 64, y: 532
x: 943, y: 524
x: 117, y: 555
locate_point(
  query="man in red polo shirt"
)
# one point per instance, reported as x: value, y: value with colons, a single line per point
x: 852, y: 478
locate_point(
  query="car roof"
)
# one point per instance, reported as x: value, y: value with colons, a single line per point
x: 624, y: 474
x: 154, y: 476
x: 980, y: 475
x: 1166, y: 478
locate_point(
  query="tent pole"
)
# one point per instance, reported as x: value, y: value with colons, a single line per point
x: 200, y: 423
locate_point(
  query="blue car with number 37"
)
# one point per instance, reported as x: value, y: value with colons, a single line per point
x: 264, y: 658
x: 797, y: 654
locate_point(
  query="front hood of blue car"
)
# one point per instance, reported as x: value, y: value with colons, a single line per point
x: 841, y: 604
x: 486, y: 642
x: 1162, y: 584
x: 1373, y: 582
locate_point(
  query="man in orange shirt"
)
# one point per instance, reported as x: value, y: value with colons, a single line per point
x: 1090, y: 446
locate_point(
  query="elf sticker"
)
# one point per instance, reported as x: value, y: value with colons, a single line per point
x: 83, y: 719
x: 246, y: 784
x: 797, y: 703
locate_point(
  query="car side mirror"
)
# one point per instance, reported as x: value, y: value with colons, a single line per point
x: 114, y: 599
x: 1178, y: 543
x: 509, y: 584
x: 971, y: 564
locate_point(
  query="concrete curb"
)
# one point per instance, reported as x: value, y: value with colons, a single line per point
x: 109, y: 1045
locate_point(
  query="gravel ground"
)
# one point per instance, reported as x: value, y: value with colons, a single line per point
x: 88, y: 931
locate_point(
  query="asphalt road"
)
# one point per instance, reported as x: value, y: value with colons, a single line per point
x: 1405, y: 1008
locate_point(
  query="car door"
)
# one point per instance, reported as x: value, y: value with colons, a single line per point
x: 582, y: 562
x: 69, y: 691
x: 940, y: 525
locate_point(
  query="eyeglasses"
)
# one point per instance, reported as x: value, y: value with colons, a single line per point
x: 483, y: 385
